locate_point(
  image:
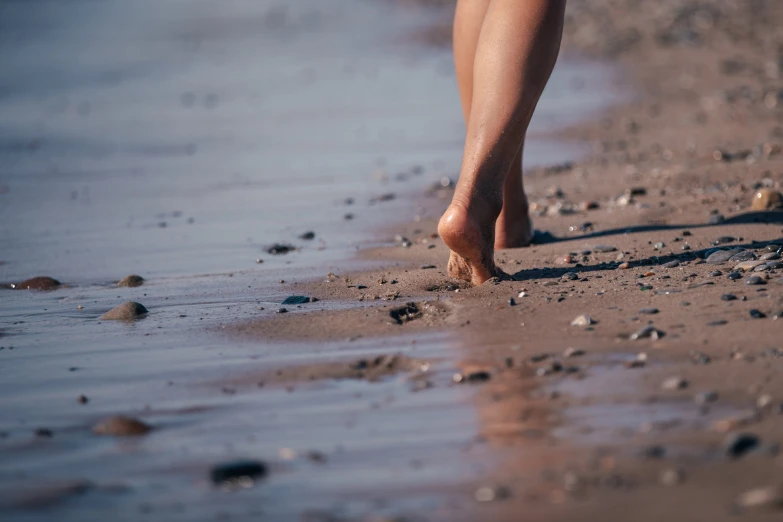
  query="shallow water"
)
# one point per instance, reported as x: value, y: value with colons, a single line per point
x: 177, y: 140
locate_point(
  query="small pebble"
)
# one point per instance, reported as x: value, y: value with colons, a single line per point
x: 120, y: 426
x: 755, y: 280
x: 757, y: 314
x: 649, y: 311
x: 769, y: 497
x: 238, y: 474
x: 604, y: 248
x: 490, y: 494
x: 705, y: 397
x: 672, y: 477
x: 728, y: 297
x: 739, y: 444
x: 734, y: 276
x: 281, y: 311
x: 648, y: 332
x: 583, y: 320
x: 573, y: 352
x: 671, y: 264
x: 674, y: 383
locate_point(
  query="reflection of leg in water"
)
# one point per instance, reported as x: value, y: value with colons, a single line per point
x: 514, y: 46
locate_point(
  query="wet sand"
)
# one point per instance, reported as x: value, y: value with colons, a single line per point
x: 403, y: 395
x: 664, y: 401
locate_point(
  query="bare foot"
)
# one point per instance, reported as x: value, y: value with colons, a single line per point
x: 470, y: 236
x: 514, y: 229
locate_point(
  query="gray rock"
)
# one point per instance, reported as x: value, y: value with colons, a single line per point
x: 659, y: 245
x: 774, y: 247
x: 705, y: 397
x: 734, y: 276
x: 671, y: 264
x: 728, y: 297
x: 723, y: 240
x: 649, y: 311
x: 648, y: 332
x: 716, y: 219
x: 721, y: 256
x: 131, y: 281
x: 743, y: 255
x: 770, y: 256
x: 125, y: 312
x: 755, y: 280
x: 604, y: 248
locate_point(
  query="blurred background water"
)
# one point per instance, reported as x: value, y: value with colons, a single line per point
x: 173, y: 137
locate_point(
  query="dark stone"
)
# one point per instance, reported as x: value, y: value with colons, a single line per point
x: 728, y: 297
x: 734, y: 276
x: 406, y: 313
x: 744, y: 255
x: 281, y: 311
x: 296, y: 300
x: 280, y: 249
x: 38, y: 283
x: 739, y: 444
x: 716, y: 219
x: 511, y: 302
x: 723, y: 240
x: 44, y: 433
x: 719, y: 322
x: 654, y: 452
x: 757, y: 314
x: 649, y: 311
x: 307, y: 236
x: 240, y: 473
x: 755, y: 280
x: 719, y: 257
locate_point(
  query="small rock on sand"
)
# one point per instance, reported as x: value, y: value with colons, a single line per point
x: 238, y: 474
x: 648, y: 332
x: 754, y: 280
x: 747, y: 266
x: 721, y: 256
x: 648, y: 311
x: 38, y: 283
x: 739, y: 444
x: 674, y: 383
x: 769, y: 497
x: 743, y: 255
x: 767, y: 199
x: 131, y: 281
x: 125, y: 312
x: 120, y: 426
x: 602, y: 249
x: 297, y: 300
x: 583, y: 320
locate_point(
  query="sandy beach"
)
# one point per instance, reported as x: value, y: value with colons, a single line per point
x: 631, y: 371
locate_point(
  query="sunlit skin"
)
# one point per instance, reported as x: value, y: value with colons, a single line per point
x: 504, y: 53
